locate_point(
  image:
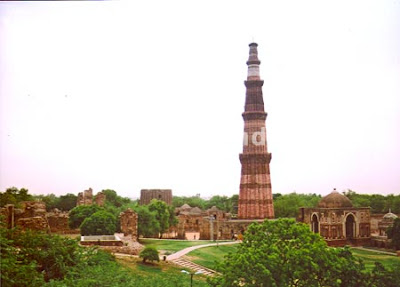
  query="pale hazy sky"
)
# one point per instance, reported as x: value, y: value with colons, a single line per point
x: 129, y: 96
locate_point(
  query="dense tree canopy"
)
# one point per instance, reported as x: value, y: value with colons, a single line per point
x: 377, y: 202
x: 147, y: 222
x: 80, y: 213
x: 99, y: 223
x: 227, y: 204
x: 285, y: 253
x: 162, y: 212
x: 288, y: 205
x: 14, y: 196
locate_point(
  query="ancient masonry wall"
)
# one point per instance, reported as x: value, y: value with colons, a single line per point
x: 129, y: 223
x: 85, y: 197
x: 146, y: 195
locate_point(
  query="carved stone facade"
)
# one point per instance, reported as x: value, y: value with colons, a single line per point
x: 338, y: 221
x: 129, y: 223
x: 255, y: 196
x: 85, y: 197
x: 146, y: 195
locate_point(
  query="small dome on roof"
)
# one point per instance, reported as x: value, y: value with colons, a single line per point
x: 335, y: 200
x: 185, y: 206
x: 195, y: 210
x: 390, y: 216
x: 213, y: 208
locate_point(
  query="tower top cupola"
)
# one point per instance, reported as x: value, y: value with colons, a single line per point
x: 253, y: 63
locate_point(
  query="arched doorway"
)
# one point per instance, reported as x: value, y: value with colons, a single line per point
x: 350, y: 226
x: 315, y: 224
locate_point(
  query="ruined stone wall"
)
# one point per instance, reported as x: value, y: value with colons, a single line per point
x: 31, y: 215
x: 129, y: 223
x: 85, y: 197
x: 58, y: 222
x: 146, y: 195
x: 100, y: 198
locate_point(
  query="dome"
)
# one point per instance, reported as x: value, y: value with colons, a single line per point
x: 185, y: 206
x: 390, y: 216
x: 335, y: 200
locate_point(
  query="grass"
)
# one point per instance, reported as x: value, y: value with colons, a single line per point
x: 161, y: 272
x: 207, y: 256
x: 171, y: 246
x: 370, y: 257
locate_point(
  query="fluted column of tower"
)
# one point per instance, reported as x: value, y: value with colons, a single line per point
x: 255, y: 197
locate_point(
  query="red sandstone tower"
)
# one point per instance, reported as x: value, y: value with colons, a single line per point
x: 255, y: 197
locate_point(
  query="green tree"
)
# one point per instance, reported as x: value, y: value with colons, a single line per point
x: 285, y: 253
x: 78, y: 214
x: 193, y: 201
x: 162, y: 214
x: 288, y: 205
x: 66, y: 202
x: 99, y: 223
x: 149, y: 253
x: 114, y: 199
x: 393, y: 233
x: 147, y: 222
x: 13, y: 195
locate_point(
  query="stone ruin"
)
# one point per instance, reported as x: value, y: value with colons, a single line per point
x: 100, y: 198
x: 129, y: 223
x: 31, y: 215
x: 85, y: 197
x: 58, y: 222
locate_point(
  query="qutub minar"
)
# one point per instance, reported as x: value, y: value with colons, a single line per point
x: 255, y: 197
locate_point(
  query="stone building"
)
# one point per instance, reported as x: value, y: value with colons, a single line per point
x: 255, y: 196
x: 146, y: 195
x: 338, y: 221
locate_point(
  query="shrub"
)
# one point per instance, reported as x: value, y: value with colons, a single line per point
x: 149, y: 253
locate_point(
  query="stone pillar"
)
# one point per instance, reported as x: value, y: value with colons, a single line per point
x: 255, y: 196
x: 100, y: 198
x: 129, y: 223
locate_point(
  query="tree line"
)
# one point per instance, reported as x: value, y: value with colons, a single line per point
x: 285, y: 205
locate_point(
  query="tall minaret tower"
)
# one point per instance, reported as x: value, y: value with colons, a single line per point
x: 255, y: 197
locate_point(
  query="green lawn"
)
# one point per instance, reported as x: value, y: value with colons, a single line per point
x: 370, y: 257
x: 171, y: 246
x: 161, y: 274
x: 208, y: 255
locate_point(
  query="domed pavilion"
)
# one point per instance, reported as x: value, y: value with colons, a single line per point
x: 338, y: 221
